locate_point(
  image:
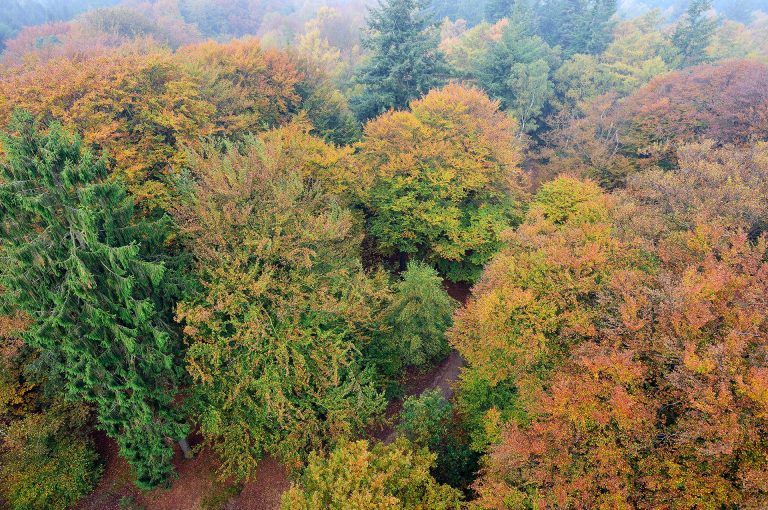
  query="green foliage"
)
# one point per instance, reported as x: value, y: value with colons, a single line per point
x: 418, y: 316
x: 428, y: 421
x: 385, y: 477
x: 78, y: 264
x: 404, y: 62
x: 283, y: 306
x: 497, y: 9
x: 47, y: 462
x: 535, y: 299
x: 694, y: 33
x: 517, y: 70
x: 431, y: 196
x: 577, y: 26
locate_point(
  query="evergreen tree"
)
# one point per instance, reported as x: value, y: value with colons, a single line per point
x: 518, y: 72
x: 405, y: 61
x: 76, y: 262
x: 497, y: 9
x: 694, y: 33
x: 577, y: 26
x: 419, y: 314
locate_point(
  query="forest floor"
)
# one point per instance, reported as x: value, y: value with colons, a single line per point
x: 198, y: 487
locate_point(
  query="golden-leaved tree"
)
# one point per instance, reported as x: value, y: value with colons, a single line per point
x: 444, y: 180
x: 283, y: 305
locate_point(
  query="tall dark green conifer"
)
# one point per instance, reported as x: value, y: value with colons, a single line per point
x: 497, y: 9
x: 405, y: 61
x: 694, y: 33
x: 84, y: 269
x: 577, y: 26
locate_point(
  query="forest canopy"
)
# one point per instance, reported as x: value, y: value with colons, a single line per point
x: 404, y: 254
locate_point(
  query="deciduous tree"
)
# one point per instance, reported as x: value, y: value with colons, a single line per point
x: 283, y: 306
x: 444, y: 180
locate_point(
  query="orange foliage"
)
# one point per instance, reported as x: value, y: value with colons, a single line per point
x: 143, y: 106
x: 666, y: 408
x: 607, y: 138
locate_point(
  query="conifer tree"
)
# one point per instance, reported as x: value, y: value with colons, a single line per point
x: 419, y: 314
x: 497, y: 9
x: 577, y: 26
x: 76, y: 263
x: 405, y: 61
x: 694, y: 33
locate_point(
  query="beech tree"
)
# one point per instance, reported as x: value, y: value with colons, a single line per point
x: 86, y: 273
x: 283, y: 307
x: 534, y: 301
x: 384, y: 477
x: 665, y: 407
x: 444, y: 180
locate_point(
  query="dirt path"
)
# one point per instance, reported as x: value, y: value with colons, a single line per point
x: 442, y: 377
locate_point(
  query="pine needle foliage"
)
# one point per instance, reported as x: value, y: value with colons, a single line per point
x: 75, y: 264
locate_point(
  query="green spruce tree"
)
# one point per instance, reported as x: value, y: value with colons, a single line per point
x: 498, y: 9
x: 694, y: 33
x: 77, y: 263
x: 405, y: 62
x: 420, y: 313
x: 577, y: 26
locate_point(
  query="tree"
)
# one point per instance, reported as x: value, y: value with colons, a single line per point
x: 283, y: 307
x: 48, y: 462
x: 417, y: 317
x: 609, y: 138
x: 535, y: 300
x: 143, y: 107
x: 517, y: 70
x: 666, y: 406
x: 380, y: 478
x: 723, y: 185
x: 694, y: 33
x: 404, y: 63
x: 444, y: 180
x: 577, y: 26
x: 87, y: 273
x: 429, y: 421
x: 498, y: 9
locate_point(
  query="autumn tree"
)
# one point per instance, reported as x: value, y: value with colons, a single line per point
x: 705, y: 102
x: 87, y: 273
x: 534, y: 302
x: 611, y: 138
x: 404, y: 63
x: 48, y: 461
x: 283, y: 306
x: 355, y: 475
x: 666, y: 407
x: 444, y: 180
x: 723, y: 185
x: 143, y: 107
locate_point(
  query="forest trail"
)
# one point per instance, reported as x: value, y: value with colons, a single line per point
x: 197, y: 487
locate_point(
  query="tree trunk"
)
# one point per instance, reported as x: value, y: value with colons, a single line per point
x: 184, y: 444
x: 403, y: 261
